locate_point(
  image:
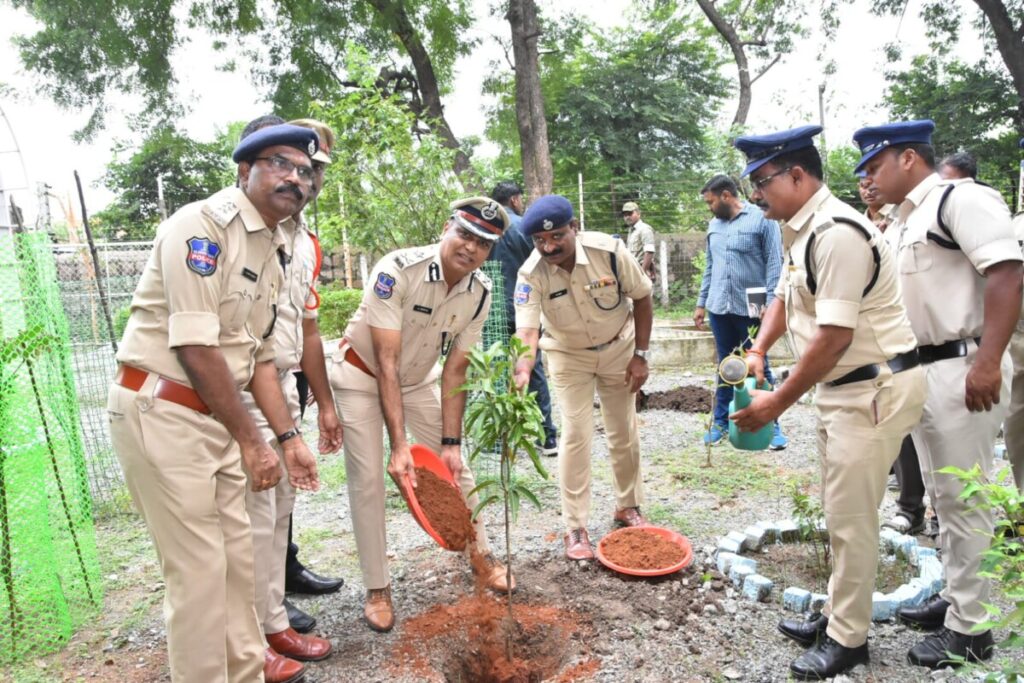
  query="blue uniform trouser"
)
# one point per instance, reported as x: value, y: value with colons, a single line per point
x: 730, y: 333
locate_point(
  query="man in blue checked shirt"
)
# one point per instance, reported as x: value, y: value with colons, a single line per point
x: 744, y: 251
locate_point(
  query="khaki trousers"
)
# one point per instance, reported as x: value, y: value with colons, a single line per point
x: 574, y: 376
x: 1013, y: 426
x: 184, y: 474
x: 859, y: 434
x: 269, y: 512
x: 949, y: 434
x: 358, y: 404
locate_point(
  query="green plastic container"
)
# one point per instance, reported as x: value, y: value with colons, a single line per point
x: 748, y: 441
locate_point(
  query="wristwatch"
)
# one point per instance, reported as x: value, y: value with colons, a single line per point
x: 643, y: 353
x: 290, y: 434
x: 451, y: 441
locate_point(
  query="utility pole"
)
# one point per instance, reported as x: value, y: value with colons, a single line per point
x: 821, y: 120
x: 160, y: 197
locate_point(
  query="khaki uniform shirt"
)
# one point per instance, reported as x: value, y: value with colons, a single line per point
x: 574, y: 317
x: 296, y: 301
x: 944, y: 288
x: 212, y: 280
x: 843, y: 264
x: 641, y: 240
x: 883, y: 218
x: 407, y: 292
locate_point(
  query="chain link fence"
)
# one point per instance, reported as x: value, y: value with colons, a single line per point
x: 49, y: 570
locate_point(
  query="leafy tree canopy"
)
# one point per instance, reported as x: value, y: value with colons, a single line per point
x: 295, y: 49
x: 627, y: 109
x: 191, y: 171
x: 395, y: 187
x: 974, y: 109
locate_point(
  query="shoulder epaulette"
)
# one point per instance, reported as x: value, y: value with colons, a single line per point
x: 221, y: 210
x: 597, y: 240
x: 407, y: 257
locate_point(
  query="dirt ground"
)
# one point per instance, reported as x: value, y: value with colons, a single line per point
x: 690, y: 626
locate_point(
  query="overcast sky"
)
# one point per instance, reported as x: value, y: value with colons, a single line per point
x: 787, y: 96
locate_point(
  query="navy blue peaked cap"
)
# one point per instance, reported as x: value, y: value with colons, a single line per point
x: 760, y: 149
x: 547, y: 213
x: 873, y: 139
x: 302, y: 139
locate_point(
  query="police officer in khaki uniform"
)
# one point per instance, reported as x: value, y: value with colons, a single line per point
x: 200, y: 330
x: 960, y: 270
x: 419, y: 304
x: 839, y: 299
x: 641, y: 238
x: 270, y: 510
x: 1013, y: 426
x: 579, y: 286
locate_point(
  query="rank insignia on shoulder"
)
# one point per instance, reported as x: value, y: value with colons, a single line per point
x: 202, y: 256
x: 522, y: 293
x: 384, y: 287
x: 221, y: 213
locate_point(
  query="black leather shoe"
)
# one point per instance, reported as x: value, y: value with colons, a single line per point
x: 935, y: 650
x: 826, y: 659
x: 804, y: 631
x: 299, y: 620
x: 308, y: 583
x: 928, y: 617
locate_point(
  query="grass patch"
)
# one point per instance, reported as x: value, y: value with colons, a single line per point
x: 311, y: 539
x: 332, y: 472
x: 731, y: 472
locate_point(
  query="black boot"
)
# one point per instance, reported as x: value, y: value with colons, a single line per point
x: 935, y: 650
x: 804, y: 631
x: 928, y: 617
x: 826, y: 659
x: 310, y: 583
x: 297, y: 619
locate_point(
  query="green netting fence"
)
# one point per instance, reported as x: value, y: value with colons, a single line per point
x: 49, y: 571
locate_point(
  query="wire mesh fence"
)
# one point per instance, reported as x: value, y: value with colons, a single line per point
x: 49, y: 569
x: 94, y: 330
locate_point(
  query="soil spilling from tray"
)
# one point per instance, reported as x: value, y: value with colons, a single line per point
x: 639, y: 549
x: 445, y: 509
x: 685, y: 399
x: 466, y: 642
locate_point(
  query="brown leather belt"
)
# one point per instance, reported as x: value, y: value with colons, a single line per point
x: 133, y: 378
x: 353, y: 359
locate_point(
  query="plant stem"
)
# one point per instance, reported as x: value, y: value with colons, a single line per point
x: 505, y: 480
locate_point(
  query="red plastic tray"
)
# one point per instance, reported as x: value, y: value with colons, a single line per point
x: 673, y: 536
x: 429, y: 460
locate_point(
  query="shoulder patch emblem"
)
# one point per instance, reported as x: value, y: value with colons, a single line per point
x: 202, y: 255
x: 522, y: 293
x: 384, y: 287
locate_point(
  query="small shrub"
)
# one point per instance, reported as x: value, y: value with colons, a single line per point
x: 121, y: 321
x: 337, y: 306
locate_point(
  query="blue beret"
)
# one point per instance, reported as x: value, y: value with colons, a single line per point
x: 482, y: 216
x: 873, y: 139
x: 760, y: 149
x: 547, y: 213
x: 302, y: 139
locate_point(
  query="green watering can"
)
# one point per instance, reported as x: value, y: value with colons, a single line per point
x: 733, y: 370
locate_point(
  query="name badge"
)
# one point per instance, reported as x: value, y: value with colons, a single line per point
x: 249, y: 274
x: 561, y: 292
x: 422, y: 309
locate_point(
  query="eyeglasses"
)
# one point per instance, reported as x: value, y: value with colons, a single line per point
x: 761, y: 182
x: 284, y: 167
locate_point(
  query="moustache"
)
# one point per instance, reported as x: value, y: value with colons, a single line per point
x: 299, y: 195
x: 555, y: 252
x: 761, y: 204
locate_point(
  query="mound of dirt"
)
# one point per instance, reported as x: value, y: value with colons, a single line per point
x: 466, y: 641
x: 685, y: 399
x: 638, y: 549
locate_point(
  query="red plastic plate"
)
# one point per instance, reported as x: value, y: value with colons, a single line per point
x: 429, y: 460
x: 676, y: 538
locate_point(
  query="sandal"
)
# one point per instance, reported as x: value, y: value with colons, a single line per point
x: 902, y: 523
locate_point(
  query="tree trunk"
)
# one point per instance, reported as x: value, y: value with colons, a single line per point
x: 393, y: 11
x: 533, y: 127
x: 728, y: 33
x: 1011, y: 48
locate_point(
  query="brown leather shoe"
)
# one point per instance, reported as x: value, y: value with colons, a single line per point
x: 630, y: 517
x: 278, y: 669
x: 497, y: 575
x: 577, y: 545
x: 378, y: 612
x: 303, y: 648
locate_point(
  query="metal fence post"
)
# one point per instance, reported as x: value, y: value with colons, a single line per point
x: 663, y: 267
